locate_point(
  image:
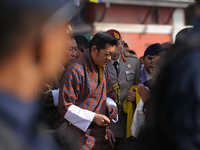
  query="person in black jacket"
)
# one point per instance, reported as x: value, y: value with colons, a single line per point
x: 173, y: 116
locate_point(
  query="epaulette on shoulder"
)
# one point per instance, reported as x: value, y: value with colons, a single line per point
x: 130, y: 55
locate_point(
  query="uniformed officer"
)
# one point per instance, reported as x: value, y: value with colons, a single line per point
x: 146, y: 71
x: 124, y: 69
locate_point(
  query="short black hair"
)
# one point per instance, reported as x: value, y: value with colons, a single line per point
x: 182, y: 34
x: 100, y: 40
x: 126, y: 45
x: 81, y: 41
x: 197, y: 2
x: 132, y: 52
x: 161, y: 51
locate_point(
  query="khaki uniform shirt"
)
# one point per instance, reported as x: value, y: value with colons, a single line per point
x: 129, y: 75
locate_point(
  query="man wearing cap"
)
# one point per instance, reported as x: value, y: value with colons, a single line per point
x: 146, y: 72
x: 124, y: 70
x: 86, y: 94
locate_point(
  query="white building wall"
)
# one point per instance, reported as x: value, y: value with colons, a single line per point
x: 178, y: 22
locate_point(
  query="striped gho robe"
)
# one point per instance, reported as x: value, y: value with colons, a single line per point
x: 80, y: 86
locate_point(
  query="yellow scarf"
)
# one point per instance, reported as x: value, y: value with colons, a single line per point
x: 129, y: 108
x: 101, y: 72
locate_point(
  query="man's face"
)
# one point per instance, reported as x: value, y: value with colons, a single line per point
x: 71, y: 51
x: 103, y: 56
x: 148, y: 63
x: 118, y: 50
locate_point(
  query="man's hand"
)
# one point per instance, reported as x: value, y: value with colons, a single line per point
x: 111, y: 137
x: 143, y: 92
x: 101, y: 120
x: 113, y: 112
x: 131, y: 95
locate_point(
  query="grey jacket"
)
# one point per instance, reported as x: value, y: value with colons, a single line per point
x: 129, y: 75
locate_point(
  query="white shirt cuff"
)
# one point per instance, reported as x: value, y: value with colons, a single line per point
x: 81, y: 118
x: 110, y: 102
x: 55, y: 94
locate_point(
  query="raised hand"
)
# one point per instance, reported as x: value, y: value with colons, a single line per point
x: 143, y: 92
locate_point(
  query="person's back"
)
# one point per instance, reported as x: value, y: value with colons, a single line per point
x: 173, y: 121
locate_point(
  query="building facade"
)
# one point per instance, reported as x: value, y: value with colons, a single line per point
x: 141, y: 22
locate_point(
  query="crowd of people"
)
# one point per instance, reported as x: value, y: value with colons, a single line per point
x: 62, y: 91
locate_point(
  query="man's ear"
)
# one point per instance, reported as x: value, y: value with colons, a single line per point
x: 93, y: 49
x: 46, y: 43
x: 83, y: 48
x: 123, y: 43
x: 51, y: 48
x: 40, y: 44
x: 37, y: 49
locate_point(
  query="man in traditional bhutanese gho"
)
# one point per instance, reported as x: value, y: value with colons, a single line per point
x: 87, y: 96
x: 124, y: 70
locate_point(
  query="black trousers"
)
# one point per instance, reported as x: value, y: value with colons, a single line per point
x: 124, y: 143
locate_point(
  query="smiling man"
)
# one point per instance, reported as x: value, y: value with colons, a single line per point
x: 86, y: 94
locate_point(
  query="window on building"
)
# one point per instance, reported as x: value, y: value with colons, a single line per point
x: 154, y: 16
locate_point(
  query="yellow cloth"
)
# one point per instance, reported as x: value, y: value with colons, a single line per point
x: 101, y: 72
x: 129, y: 108
x: 94, y: 1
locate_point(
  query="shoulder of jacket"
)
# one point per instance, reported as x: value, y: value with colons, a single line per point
x: 75, y: 66
x: 130, y: 55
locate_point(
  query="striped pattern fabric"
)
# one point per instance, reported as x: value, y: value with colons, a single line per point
x: 92, y: 139
x: 143, y: 76
x: 79, y: 86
